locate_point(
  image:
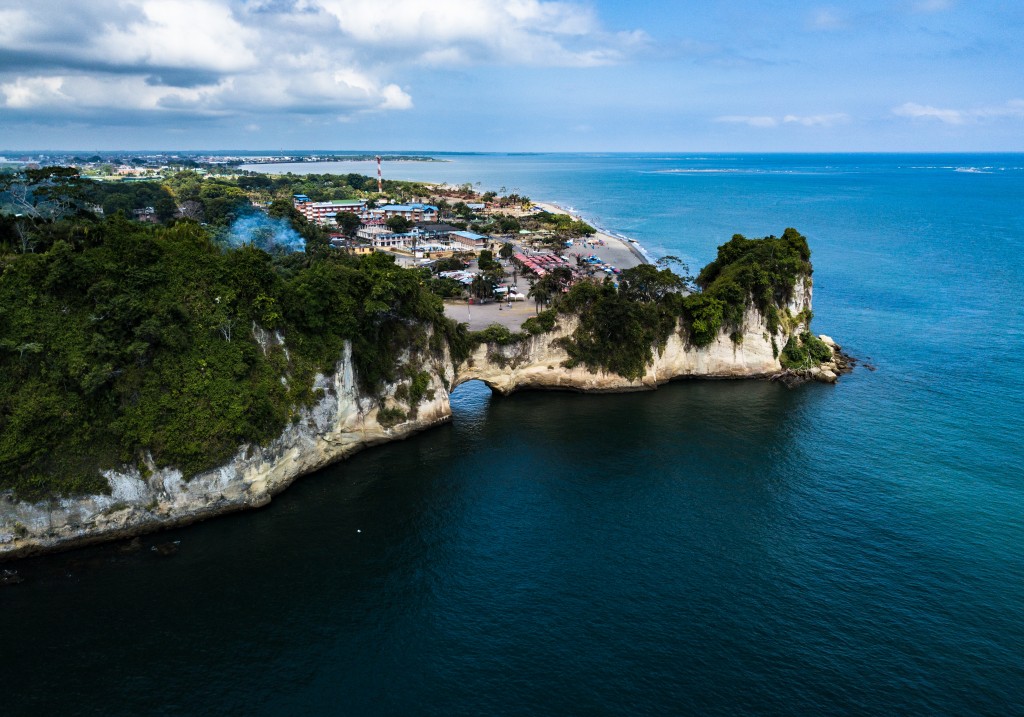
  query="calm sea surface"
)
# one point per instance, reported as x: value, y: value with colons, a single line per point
x: 712, y: 547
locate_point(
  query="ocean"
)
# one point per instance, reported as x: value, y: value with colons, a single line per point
x: 713, y: 547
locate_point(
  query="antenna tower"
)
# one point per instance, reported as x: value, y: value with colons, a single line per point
x: 380, y: 181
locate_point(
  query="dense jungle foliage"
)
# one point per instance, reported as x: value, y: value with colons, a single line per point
x: 620, y: 329
x: 119, y: 338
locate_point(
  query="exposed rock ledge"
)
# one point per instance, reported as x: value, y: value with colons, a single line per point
x: 537, y: 364
x: 340, y: 424
x: 343, y: 422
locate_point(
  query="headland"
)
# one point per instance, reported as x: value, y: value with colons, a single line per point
x: 171, y: 372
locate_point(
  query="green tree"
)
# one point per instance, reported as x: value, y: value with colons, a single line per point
x: 542, y: 291
x: 646, y: 283
x: 399, y: 225
x: 482, y: 286
x: 348, y: 222
x: 486, y: 261
x: 451, y: 263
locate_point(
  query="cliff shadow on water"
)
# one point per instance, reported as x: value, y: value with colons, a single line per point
x: 499, y: 507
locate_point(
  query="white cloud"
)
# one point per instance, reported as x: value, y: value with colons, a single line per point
x: 826, y: 19
x: 753, y: 121
x: 12, y: 22
x: 914, y: 110
x: 196, y: 34
x: 32, y: 91
x: 823, y: 120
x: 86, y: 93
x: 331, y: 57
x: 1014, y: 109
x: 459, y: 32
x: 828, y: 120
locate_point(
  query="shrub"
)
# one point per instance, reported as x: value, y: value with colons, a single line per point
x: 496, y: 334
x: 542, y: 323
x: 804, y: 351
x: 389, y: 417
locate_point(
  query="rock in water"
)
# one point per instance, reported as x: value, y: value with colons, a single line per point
x: 132, y: 546
x: 10, y: 577
x: 166, y: 548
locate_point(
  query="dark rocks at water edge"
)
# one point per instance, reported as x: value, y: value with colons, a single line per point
x: 826, y: 372
x: 166, y: 549
x: 132, y: 546
x: 10, y: 577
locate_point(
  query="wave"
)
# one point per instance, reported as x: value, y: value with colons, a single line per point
x: 736, y: 170
x: 964, y: 169
x: 703, y: 171
x: 628, y: 241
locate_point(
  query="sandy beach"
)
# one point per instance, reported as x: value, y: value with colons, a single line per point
x: 615, y: 250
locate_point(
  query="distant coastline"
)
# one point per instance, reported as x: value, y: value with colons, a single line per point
x: 309, y: 159
x: 631, y: 245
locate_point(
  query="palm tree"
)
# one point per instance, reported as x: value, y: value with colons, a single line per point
x: 541, y: 294
x: 481, y: 286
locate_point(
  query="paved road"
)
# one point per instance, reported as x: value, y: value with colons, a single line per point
x: 479, y: 316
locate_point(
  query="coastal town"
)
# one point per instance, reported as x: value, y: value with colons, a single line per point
x: 521, y: 254
x: 496, y: 257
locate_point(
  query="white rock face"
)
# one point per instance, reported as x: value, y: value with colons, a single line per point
x: 340, y: 424
x: 343, y: 422
x: 538, y: 364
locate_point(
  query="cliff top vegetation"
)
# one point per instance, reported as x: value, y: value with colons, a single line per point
x: 121, y: 339
x: 181, y: 341
x: 619, y: 329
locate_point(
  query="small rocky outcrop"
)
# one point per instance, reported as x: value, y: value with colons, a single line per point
x: 827, y: 372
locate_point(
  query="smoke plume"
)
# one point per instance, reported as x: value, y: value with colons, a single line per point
x: 266, y: 233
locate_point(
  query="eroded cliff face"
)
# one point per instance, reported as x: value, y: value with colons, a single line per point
x: 537, y: 364
x: 343, y: 421
x: 337, y: 426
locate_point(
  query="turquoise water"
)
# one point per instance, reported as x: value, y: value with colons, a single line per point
x: 713, y: 547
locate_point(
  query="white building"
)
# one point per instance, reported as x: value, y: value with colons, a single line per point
x: 324, y: 212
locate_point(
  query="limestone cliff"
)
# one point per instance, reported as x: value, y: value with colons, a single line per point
x: 145, y: 499
x: 339, y: 424
x: 537, y: 363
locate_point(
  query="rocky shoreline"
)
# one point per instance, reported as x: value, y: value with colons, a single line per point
x: 146, y: 499
x: 826, y: 372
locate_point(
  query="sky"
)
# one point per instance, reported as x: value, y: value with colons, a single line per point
x: 512, y: 75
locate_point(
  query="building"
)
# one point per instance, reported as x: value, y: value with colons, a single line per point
x: 435, y: 232
x: 412, y: 212
x: 370, y: 232
x: 145, y: 214
x: 324, y: 212
x: 389, y: 240
x: 469, y: 240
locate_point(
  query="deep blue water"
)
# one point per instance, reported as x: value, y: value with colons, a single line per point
x: 712, y: 547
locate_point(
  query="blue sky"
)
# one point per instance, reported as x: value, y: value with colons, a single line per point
x: 513, y: 75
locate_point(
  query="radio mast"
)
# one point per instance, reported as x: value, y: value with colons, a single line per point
x: 380, y: 181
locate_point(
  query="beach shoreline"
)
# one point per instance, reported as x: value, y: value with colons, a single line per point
x: 629, y: 245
